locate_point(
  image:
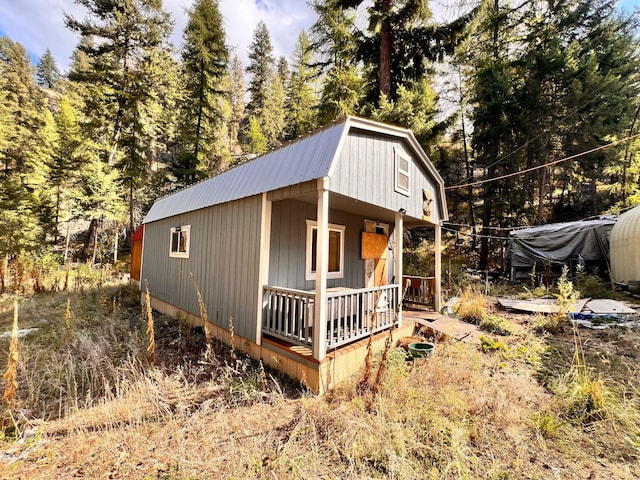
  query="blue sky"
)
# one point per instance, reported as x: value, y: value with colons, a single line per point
x: 39, y: 24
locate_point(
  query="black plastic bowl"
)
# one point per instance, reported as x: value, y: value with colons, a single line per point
x: 421, y: 349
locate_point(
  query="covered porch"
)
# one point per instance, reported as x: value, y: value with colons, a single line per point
x: 322, y: 311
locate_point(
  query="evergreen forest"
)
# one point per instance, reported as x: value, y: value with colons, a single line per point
x: 529, y: 109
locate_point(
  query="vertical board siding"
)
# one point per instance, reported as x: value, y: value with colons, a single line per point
x: 365, y: 171
x: 289, y: 243
x: 224, y: 255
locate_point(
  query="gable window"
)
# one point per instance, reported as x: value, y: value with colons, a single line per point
x: 402, y: 162
x: 180, y: 237
x: 336, y: 250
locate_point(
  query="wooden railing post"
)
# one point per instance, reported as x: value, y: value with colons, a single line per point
x: 438, y: 268
x: 322, y: 265
x: 399, y: 227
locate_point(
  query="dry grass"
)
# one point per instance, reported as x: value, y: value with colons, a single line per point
x: 10, y: 375
x: 460, y: 414
x: 472, y: 306
x: 151, y: 339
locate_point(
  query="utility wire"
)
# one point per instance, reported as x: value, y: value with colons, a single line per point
x: 544, y: 132
x: 476, y: 235
x: 555, y: 162
x: 519, y: 237
x: 480, y: 227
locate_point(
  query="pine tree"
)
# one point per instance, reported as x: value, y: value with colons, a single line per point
x: 267, y: 88
x: 257, y: 142
x: 68, y: 156
x: 301, y: 100
x: 335, y: 48
x: 273, y: 117
x: 47, y: 72
x: 496, y: 114
x: 118, y: 39
x: 401, y: 41
x: 261, y: 69
x: 238, y: 104
x: 27, y: 139
x: 205, y: 111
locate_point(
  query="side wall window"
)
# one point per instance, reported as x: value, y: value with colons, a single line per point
x: 402, y: 162
x: 336, y: 250
x: 179, y: 243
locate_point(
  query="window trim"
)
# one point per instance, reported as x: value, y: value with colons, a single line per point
x: 313, y: 225
x: 183, y: 229
x: 399, y: 154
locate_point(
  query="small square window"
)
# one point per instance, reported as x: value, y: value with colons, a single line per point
x: 336, y: 250
x: 402, y: 162
x: 179, y: 243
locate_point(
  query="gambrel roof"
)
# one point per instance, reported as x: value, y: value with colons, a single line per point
x: 310, y: 157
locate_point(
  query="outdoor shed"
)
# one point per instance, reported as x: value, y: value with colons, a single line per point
x: 571, y: 243
x: 299, y: 249
x: 625, y: 249
x: 136, y: 255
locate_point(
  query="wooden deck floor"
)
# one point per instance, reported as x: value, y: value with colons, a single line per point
x: 443, y: 326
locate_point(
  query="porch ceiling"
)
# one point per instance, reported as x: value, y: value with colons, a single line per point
x: 351, y: 205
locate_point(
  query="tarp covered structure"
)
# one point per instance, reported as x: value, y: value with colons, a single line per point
x: 560, y: 243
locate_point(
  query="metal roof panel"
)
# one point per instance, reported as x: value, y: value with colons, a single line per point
x: 308, y: 158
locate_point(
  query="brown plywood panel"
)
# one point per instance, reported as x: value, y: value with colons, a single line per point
x: 381, y: 272
x: 136, y: 259
x: 374, y: 245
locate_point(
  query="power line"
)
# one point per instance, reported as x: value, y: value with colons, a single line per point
x: 519, y: 237
x: 480, y: 227
x: 544, y: 132
x: 555, y: 162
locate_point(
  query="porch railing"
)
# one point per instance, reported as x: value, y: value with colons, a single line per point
x: 351, y: 313
x: 419, y: 290
x: 288, y: 314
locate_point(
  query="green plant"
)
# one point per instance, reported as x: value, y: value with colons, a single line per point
x: 567, y: 294
x: 548, y: 424
x: 592, y: 286
x: 585, y: 396
x: 488, y: 344
x: 496, y: 324
x: 547, y: 323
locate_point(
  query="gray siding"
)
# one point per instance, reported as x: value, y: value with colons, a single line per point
x: 288, y: 246
x: 224, y: 256
x: 365, y: 171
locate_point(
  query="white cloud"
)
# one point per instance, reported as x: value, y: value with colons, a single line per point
x: 39, y: 24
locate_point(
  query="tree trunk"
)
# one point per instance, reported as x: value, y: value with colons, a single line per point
x: 384, y: 65
x: 469, y: 171
x: 3, y: 273
x: 87, y: 242
x: 541, y: 193
x: 130, y: 209
x: 115, y: 247
x: 487, y: 208
x: 486, y: 231
x: 626, y: 162
x: 66, y: 245
x: 95, y: 246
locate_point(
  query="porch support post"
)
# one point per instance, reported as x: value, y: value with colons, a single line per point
x: 322, y: 266
x: 399, y: 234
x: 263, y: 269
x: 438, y: 294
